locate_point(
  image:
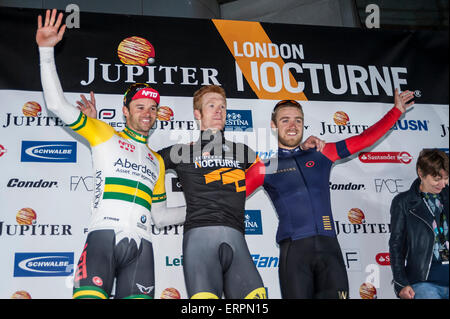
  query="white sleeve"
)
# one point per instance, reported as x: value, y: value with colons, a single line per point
x: 165, y: 216
x: 53, y: 93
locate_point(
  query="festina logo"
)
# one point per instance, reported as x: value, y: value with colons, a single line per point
x: 35, y: 230
x: 363, y: 228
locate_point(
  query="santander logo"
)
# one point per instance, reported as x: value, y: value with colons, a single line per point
x: 385, y: 157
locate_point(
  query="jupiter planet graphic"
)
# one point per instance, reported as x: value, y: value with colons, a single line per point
x: 136, y: 51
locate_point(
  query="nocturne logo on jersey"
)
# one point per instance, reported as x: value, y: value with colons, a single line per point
x: 43, y: 264
x: 253, y: 224
x: 46, y: 151
x: 239, y: 120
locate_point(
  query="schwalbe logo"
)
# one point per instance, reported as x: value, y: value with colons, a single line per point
x: 43, y: 151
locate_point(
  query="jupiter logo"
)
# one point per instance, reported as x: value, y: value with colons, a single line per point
x: 341, y: 118
x: 367, y: 291
x: 356, y: 216
x: 136, y: 51
x: 165, y: 113
x: 170, y: 293
x: 21, y: 294
x: 26, y: 216
x: 32, y: 109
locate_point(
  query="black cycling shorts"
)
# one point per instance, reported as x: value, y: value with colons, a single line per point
x: 312, y: 268
x: 103, y: 260
x: 216, y: 260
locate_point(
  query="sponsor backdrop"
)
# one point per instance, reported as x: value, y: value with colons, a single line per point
x: 343, y: 77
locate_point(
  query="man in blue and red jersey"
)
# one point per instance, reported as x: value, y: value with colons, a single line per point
x: 311, y: 263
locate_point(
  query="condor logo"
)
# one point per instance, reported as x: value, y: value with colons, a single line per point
x: 43, y: 264
x: 37, y: 151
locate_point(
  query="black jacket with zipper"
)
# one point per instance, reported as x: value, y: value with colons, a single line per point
x: 412, y: 236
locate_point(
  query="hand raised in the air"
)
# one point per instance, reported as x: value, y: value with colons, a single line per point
x: 49, y: 34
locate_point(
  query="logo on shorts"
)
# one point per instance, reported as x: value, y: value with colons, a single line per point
x: 97, y: 281
x: 145, y: 290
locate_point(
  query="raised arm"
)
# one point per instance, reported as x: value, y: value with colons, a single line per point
x: 349, y: 146
x: 47, y: 36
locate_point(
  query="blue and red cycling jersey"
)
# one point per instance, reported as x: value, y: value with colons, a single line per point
x: 298, y: 184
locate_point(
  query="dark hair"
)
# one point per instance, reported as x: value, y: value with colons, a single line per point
x: 285, y: 103
x: 431, y: 162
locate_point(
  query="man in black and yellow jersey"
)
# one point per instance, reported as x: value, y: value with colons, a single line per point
x: 216, y: 259
x: 130, y: 176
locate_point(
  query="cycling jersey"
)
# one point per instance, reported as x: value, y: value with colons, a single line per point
x: 212, y: 174
x: 299, y: 184
x: 129, y: 177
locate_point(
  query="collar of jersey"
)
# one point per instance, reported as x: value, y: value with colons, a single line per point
x: 288, y: 152
x: 135, y: 136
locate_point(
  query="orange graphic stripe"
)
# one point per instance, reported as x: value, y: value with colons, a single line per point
x: 236, y: 34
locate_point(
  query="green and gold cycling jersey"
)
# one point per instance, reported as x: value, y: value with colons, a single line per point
x: 129, y: 177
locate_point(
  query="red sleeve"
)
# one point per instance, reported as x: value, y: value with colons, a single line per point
x: 254, y: 177
x: 351, y: 145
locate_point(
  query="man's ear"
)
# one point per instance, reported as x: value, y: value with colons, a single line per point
x: 126, y: 111
x: 273, y: 125
x: 197, y: 114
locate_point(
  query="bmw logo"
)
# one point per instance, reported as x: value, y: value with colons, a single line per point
x: 143, y: 219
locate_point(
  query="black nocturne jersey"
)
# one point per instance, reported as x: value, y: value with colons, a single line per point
x: 211, y: 171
